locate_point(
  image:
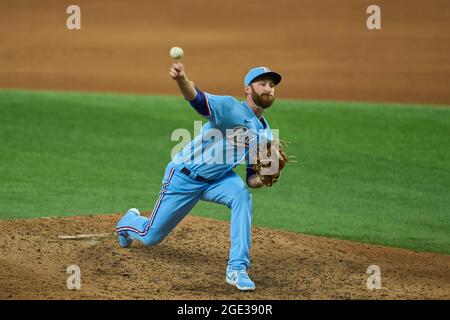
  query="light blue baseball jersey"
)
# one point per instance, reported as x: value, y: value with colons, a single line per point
x: 218, y: 149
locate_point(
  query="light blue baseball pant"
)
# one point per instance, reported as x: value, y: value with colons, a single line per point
x: 179, y: 195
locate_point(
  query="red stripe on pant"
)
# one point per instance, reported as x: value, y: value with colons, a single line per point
x: 154, y: 212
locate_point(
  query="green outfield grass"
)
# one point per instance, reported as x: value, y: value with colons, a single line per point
x: 374, y: 173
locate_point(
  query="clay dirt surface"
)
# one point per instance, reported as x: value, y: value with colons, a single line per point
x: 190, y: 264
x: 323, y: 48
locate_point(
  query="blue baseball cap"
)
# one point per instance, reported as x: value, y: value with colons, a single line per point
x: 261, y: 71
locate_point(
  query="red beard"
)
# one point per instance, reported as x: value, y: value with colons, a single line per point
x: 264, y: 100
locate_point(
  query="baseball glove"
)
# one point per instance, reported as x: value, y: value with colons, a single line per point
x: 270, y: 160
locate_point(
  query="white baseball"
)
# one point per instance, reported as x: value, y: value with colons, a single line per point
x: 176, y: 52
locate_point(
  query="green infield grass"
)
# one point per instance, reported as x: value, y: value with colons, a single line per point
x: 368, y: 172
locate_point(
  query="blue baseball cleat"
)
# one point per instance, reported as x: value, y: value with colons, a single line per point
x: 240, y: 279
x: 124, y: 239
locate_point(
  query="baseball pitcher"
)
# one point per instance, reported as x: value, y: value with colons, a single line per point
x: 203, y: 170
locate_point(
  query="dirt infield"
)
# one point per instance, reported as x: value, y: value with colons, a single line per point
x: 190, y: 264
x: 324, y: 50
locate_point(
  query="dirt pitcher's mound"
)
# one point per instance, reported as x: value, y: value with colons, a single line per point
x: 190, y: 264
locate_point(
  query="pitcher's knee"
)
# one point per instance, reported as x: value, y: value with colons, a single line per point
x: 152, y: 240
x: 240, y: 195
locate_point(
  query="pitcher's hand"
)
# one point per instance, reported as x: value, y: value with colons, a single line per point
x: 176, y: 72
